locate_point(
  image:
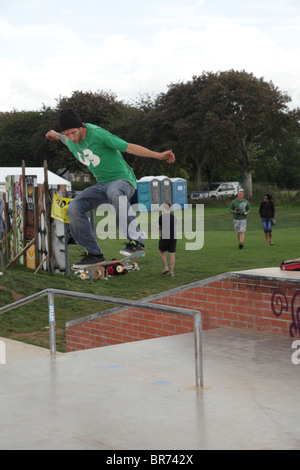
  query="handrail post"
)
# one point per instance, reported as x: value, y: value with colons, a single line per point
x: 198, y: 350
x: 51, y: 309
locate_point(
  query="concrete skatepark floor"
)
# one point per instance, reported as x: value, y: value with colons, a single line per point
x: 142, y: 396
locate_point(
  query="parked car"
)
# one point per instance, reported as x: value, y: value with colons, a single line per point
x: 217, y: 190
x: 196, y: 195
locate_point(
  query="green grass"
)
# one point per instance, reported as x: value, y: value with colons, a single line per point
x: 219, y: 254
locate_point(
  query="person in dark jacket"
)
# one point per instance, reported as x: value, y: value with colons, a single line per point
x: 267, y: 214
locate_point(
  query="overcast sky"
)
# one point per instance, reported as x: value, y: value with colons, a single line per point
x: 49, y: 48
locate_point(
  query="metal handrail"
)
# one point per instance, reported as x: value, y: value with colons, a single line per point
x: 115, y: 300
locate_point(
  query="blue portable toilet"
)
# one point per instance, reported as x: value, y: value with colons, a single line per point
x: 179, y: 191
x: 148, y: 190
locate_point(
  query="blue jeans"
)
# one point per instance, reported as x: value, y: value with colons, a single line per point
x: 101, y: 193
x: 267, y: 224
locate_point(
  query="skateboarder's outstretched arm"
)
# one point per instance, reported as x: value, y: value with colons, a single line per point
x: 132, y: 149
x: 140, y: 151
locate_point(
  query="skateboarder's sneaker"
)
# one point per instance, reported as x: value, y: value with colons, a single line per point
x: 88, y: 260
x: 132, y: 247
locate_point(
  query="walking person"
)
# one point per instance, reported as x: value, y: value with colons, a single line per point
x: 240, y: 208
x: 101, y: 152
x: 267, y: 214
x: 168, y: 241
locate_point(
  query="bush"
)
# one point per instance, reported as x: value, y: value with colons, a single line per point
x: 279, y: 196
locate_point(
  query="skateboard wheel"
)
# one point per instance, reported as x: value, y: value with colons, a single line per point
x: 119, y: 269
x: 98, y: 274
x: 83, y: 276
x: 135, y: 266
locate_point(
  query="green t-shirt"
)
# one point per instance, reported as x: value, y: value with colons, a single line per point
x: 101, y: 151
x: 242, y: 206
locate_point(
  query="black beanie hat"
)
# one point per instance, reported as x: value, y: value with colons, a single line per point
x: 68, y: 119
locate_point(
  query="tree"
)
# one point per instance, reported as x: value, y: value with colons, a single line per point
x: 250, y: 113
x: 16, y: 131
x: 228, y: 116
x: 180, y: 121
x: 280, y: 164
x: 226, y: 124
x: 144, y: 127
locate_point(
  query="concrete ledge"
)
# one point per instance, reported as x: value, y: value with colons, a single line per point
x: 272, y: 274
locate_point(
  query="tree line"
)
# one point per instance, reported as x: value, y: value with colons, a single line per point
x: 221, y: 126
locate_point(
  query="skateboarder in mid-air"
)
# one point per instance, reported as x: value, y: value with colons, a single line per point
x: 101, y: 151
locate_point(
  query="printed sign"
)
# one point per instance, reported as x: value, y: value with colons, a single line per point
x: 59, y: 208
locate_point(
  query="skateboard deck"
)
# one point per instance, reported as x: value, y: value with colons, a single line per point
x: 110, y: 268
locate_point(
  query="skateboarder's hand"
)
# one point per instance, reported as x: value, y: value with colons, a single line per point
x: 168, y: 155
x: 52, y: 135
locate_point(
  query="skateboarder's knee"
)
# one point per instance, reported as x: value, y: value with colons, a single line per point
x: 71, y: 211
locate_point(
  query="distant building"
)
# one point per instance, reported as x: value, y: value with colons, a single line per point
x: 79, y: 177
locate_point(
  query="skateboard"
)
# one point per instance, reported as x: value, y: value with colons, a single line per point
x: 110, y: 268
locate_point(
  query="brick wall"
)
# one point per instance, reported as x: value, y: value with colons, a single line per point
x: 226, y: 300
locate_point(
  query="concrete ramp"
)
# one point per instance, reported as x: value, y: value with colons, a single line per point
x: 141, y: 396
